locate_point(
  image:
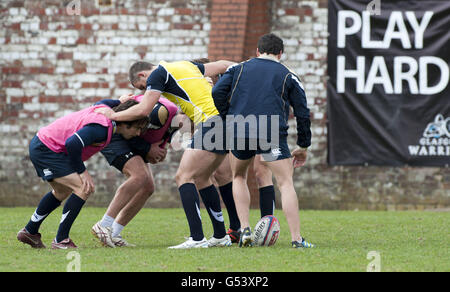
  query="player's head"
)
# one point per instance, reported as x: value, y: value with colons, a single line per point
x: 130, y: 129
x: 139, y: 73
x: 270, y: 44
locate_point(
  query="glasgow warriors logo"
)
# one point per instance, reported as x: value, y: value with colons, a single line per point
x: 435, y: 140
x: 439, y: 128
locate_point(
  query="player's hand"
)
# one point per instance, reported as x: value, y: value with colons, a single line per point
x: 106, y: 111
x: 299, y: 155
x: 210, y: 81
x: 88, y: 184
x: 156, y: 153
x: 126, y: 97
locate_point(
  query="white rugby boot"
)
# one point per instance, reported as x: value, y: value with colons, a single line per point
x: 224, y: 241
x: 104, y: 234
x: 190, y: 243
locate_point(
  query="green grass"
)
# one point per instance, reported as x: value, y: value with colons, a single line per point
x: 405, y: 241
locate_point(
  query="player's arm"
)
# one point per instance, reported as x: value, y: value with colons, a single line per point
x: 109, y: 102
x: 115, y: 102
x: 135, y: 112
x: 88, y: 135
x: 297, y: 99
x: 218, y: 67
x: 222, y: 90
x: 142, y: 109
x: 156, y: 84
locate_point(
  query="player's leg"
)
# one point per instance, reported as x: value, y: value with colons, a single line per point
x: 119, y: 154
x: 52, y: 200
x: 194, y: 172
x: 137, y: 202
x: 191, y: 202
x: 239, y: 168
x: 71, y: 209
x: 49, y: 165
x: 139, y: 183
x: 265, y: 186
x: 224, y: 179
x: 208, y: 192
x: 139, y: 178
x: 140, y: 171
x: 240, y: 188
x: 283, y: 171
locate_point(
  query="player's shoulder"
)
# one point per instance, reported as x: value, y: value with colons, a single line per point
x: 161, y: 68
x: 234, y: 66
x: 288, y: 69
x: 292, y: 75
x: 159, y: 76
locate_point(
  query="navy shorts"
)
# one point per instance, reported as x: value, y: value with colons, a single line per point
x: 49, y: 164
x: 246, y: 148
x: 120, y: 150
x: 210, y: 136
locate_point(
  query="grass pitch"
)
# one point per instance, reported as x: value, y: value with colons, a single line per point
x: 345, y: 241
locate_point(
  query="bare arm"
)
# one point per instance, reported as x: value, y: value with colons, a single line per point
x: 219, y: 67
x: 136, y: 112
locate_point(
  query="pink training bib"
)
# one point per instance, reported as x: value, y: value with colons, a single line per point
x: 54, y: 136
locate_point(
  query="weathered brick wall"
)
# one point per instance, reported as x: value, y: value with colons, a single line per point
x: 52, y: 63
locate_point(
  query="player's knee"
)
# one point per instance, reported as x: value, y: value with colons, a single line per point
x: 202, y: 180
x: 149, y: 187
x: 285, y: 182
x: 82, y: 193
x: 263, y: 178
x: 145, y: 182
x: 178, y: 178
x: 61, y: 194
x: 239, y: 176
x: 86, y: 195
x: 223, y: 177
x: 182, y: 177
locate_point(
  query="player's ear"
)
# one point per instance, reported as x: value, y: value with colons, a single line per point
x: 257, y: 52
x: 279, y: 55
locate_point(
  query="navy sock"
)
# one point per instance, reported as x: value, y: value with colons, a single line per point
x: 70, y: 212
x: 47, y: 204
x: 191, y: 206
x: 267, y: 200
x: 211, y: 199
x: 226, y: 192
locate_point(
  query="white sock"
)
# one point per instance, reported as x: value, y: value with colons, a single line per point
x: 117, y: 229
x: 107, y: 221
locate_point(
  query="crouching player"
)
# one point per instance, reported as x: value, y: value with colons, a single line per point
x: 131, y: 157
x: 58, y: 152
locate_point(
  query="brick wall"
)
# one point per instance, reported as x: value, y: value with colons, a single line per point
x: 52, y: 63
x: 236, y: 26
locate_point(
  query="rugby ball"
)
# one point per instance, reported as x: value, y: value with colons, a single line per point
x: 266, y: 231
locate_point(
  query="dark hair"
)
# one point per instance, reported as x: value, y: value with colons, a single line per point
x: 142, y: 122
x: 201, y: 60
x: 270, y: 44
x: 138, y: 67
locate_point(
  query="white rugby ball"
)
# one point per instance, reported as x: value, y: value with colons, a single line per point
x: 266, y: 231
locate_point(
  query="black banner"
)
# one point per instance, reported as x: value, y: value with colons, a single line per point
x: 388, y: 88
